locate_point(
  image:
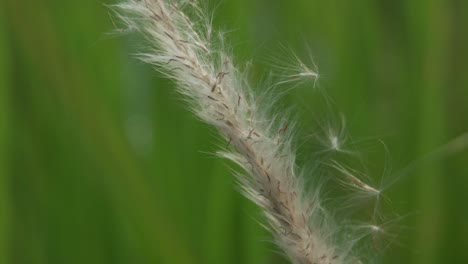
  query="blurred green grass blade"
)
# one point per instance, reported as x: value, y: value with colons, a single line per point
x: 430, y: 26
x: 5, y: 210
x: 256, y: 244
x: 454, y: 248
x: 219, y: 225
x: 65, y: 86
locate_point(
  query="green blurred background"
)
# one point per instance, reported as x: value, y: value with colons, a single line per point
x: 100, y: 162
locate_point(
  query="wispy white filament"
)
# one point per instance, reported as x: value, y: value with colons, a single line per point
x: 182, y: 47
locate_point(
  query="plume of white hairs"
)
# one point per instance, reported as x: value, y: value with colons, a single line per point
x: 182, y: 47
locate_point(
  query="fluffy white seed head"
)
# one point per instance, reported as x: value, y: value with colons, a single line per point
x: 184, y: 48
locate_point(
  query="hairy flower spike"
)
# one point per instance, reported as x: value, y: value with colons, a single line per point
x: 183, y: 47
